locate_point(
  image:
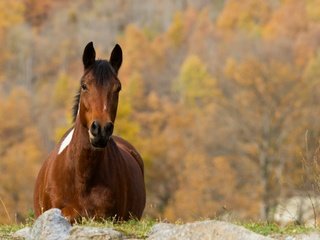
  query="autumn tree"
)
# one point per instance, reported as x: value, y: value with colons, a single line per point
x: 249, y: 15
x: 265, y: 111
x: 20, y: 153
x: 194, y: 84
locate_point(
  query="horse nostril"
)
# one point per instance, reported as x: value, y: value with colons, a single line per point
x: 95, y: 128
x: 108, y: 129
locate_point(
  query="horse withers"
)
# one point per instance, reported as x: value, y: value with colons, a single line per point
x: 92, y: 173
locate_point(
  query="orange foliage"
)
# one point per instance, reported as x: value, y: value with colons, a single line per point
x: 293, y: 18
x: 248, y: 15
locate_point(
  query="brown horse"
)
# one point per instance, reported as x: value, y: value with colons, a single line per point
x: 92, y: 173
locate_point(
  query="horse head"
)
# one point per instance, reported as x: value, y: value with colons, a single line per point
x: 97, y: 101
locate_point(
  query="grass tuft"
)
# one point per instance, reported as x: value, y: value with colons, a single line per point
x: 273, y: 228
x: 7, y: 230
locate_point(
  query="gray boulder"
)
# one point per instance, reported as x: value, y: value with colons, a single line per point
x: 160, y: 227
x: 309, y: 236
x: 23, y: 233
x: 83, y: 233
x: 213, y: 230
x: 51, y: 225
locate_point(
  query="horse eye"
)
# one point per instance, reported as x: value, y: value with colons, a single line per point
x: 84, y: 87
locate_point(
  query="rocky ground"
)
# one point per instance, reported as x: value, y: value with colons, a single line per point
x: 51, y: 225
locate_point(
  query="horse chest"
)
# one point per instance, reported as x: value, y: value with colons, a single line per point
x: 97, y: 200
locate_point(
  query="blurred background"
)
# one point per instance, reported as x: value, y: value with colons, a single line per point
x: 221, y: 98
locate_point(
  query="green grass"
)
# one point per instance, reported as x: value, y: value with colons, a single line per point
x: 7, y: 230
x: 273, y: 228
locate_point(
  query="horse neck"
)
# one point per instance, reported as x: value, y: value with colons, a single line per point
x: 88, y: 162
x: 84, y: 158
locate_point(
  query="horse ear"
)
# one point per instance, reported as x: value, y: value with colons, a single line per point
x: 89, y: 55
x: 116, y: 57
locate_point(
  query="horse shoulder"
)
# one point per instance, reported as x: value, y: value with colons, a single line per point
x: 50, y: 173
x: 126, y: 146
x: 41, y: 192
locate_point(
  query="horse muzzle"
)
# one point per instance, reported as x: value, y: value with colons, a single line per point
x: 100, y: 135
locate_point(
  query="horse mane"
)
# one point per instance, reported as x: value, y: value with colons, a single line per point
x: 75, y: 106
x: 102, y: 72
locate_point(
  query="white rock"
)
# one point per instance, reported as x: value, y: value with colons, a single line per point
x: 51, y: 225
x: 23, y: 233
x: 83, y: 233
x: 309, y: 236
x: 211, y: 230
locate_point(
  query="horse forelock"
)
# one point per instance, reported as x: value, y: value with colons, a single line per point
x: 102, y: 72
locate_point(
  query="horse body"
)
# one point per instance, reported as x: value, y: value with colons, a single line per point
x: 87, y: 180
